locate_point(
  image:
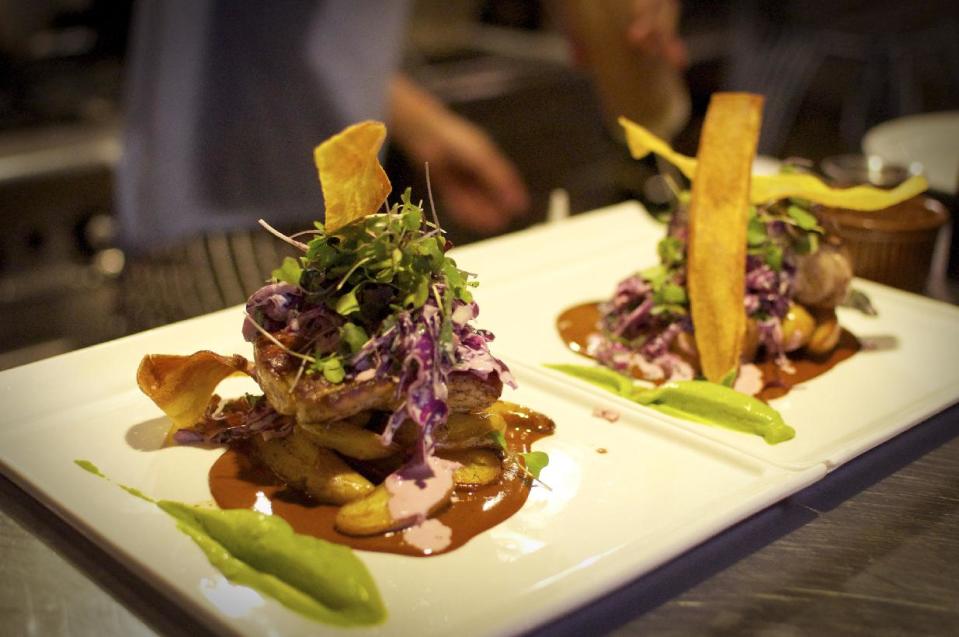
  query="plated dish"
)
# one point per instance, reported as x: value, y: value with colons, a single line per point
x: 380, y: 401
x: 903, y: 374
x: 565, y: 547
x: 360, y: 402
x: 377, y: 424
x: 542, y: 562
x: 748, y: 279
x: 747, y: 272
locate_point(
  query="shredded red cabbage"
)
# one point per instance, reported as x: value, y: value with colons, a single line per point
x: 767, y: 291
x: 412, y: 350
x: 635, y: 337
x: 272, y: 307
x: 235, y: 420
x: 408, y: 347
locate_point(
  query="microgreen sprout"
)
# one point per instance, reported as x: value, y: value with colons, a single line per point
x: 371, y: 269
x: 533, y: 462
x: 273, y: 339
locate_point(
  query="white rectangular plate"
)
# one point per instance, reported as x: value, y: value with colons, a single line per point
x: 608, y: 518
x: 536, y: 274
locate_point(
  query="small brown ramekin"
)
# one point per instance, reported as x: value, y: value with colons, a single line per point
x: 894, y: 245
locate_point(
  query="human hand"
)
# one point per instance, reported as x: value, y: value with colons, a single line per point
x: 653, y: 29
x: 479, y: 187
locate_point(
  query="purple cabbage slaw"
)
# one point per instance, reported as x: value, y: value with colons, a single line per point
x: 409, y: 350
x: 235, y: 420
x: 633, y: 337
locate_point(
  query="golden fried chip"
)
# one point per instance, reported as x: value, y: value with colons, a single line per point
x: 718, y: 217
x: 803, y: 186
x: 182, y: 385
x: 354, y: 184
x: 641, y: 143
x: 768, y: 188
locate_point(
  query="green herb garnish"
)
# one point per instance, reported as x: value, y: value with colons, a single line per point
x: 669, y: 295
x: 373, y: 268
x: 533, y: 461
x: 801, y: 235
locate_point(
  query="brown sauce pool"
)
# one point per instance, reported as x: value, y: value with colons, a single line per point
x: 577, y: 323
x: 238, y: 481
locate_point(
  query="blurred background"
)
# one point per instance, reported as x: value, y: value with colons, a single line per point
x: 543, y: 79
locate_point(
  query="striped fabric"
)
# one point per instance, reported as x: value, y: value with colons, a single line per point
x: 205, y: 274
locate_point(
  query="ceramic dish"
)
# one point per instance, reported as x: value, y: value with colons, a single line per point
x: 624, y: 496
x: 607, y: 518
x: 906, y: 372
x: 930, y: 140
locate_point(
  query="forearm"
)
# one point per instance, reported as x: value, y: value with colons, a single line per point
x: 414, y: 115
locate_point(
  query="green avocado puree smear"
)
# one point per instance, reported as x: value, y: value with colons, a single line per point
x: 321, y: 580
x: 695, y: 400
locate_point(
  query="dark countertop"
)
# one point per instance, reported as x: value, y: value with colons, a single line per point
x: 872, y: 549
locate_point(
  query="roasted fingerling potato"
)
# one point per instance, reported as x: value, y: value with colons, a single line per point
x: 315, y: 470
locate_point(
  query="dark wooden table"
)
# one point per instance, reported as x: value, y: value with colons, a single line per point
x: 872, y: 549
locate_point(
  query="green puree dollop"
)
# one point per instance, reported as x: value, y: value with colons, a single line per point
x: 696, y: 400
x: 321, y: 580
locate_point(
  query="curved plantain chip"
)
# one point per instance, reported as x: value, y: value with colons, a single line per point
x: 804, y: 186
x: 718, y: 218
x: 768, y: 188
x: 182, y: 385
x: 353, y: 181
x: 641, y: 143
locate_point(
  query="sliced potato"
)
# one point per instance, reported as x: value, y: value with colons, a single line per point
x: 465, y: 431
x: 471, y: 430
x: 478, y: 467
x: 350, y: 440
x: 798, y: 326
x: 308, y: 467
x: 825, y: 336
x: 371, y: 515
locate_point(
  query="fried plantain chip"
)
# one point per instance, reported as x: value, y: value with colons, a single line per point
x: 182, y: 385
x: 641, y: 143
x: 768, y: 188
x: 354, y: 184
x: 718, y: 217
x: 863, y: 198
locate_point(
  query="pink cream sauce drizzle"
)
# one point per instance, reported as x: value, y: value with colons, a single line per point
x: 411, y: 501
x: 429, y: 536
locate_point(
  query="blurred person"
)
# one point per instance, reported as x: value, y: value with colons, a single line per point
x: 481, y: 188
x: 224, y: 104
x: 654, y: 28
x: 831, y: 69
x: 633, y: 51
